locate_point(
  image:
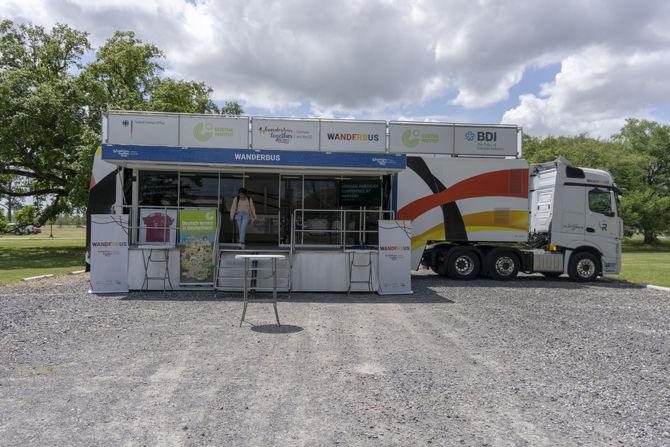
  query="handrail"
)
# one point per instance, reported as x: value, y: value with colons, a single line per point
x: 342, y: 230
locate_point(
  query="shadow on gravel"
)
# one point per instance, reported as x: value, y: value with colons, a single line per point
x: 274, y: 329
x: 421, y: 296
x: 521, y: 282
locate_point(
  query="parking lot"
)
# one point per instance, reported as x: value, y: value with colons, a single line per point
x: 531, y: 362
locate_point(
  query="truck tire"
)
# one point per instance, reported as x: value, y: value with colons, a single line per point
x: 583, y: 267
x: 463, y: 264
x: 502, y: 264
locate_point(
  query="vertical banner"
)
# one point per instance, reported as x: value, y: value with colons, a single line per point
x: 197, y: 242
x: 109, y: 253
x: 395, y: 266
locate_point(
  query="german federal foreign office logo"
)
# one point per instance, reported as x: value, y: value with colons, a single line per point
x: 203, y: 131
x: 469, y: 135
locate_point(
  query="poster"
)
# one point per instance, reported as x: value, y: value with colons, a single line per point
x: 285, y: 134
x: 352, y: 136
x: 480, y: 140
x: 213, y: 131
x: 395, y: 276
x: 427, y: 138
x: 109, y: 253
x: 197, y: 242
x: 355, y: 193
x: 158, y: 226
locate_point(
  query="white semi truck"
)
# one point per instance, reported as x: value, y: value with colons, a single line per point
x: 497, y: 217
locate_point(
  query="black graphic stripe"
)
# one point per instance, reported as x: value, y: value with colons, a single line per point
x: 454, y: 227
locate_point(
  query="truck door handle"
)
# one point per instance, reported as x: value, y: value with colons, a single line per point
x: 590, y: 230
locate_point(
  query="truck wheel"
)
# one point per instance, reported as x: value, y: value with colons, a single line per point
x: 463, y: 264
x: 583, y: 267
x: 502, y: 265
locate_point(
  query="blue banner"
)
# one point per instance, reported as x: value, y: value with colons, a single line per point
x: 250, y: 157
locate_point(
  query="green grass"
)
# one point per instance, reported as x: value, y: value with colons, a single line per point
x: 39, y: 254
x: 646, y: 264
x: 23, y: 256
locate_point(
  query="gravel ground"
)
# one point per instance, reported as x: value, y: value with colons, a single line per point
x: 533, y: 362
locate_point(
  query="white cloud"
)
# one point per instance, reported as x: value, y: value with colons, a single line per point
x: 595, y: 91
x: 364, y: 57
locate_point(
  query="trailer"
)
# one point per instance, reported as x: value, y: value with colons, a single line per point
x: 322, y: 188
x: 499, y: 217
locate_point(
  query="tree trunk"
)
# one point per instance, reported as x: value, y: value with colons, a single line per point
x: 650, y: 238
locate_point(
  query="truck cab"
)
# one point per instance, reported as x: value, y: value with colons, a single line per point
x: 574, y: 211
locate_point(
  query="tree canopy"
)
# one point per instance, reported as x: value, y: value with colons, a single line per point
x: 51, y: 104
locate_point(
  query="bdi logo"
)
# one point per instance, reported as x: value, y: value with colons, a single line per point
x: 487, y: 136
x: 481, y: 136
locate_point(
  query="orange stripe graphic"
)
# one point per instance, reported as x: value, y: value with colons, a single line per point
x: 505, y: 183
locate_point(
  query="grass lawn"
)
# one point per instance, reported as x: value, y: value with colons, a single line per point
x: 23, y: 256
x: 38, y: 254
x: 646, y: 264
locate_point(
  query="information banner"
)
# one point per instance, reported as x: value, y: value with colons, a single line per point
x: 214, y: 131
x: 407, y: 137
x: 109, y: 253
x: 151, y: 130
x: 285, y: 134
x: 197, y: 242
x: 480, y: 140
x: 353, y: 136
x: 395, y: 276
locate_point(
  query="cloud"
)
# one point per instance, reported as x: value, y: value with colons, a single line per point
x: 595, y: 91
x: 365, y: 57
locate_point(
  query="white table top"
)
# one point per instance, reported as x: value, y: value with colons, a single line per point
x: 260, y: 256
x: 154, y: 247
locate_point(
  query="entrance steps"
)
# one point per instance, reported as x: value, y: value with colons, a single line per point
x: 230, y: 271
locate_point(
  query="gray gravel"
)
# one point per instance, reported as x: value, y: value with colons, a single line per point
x: 533, y: 362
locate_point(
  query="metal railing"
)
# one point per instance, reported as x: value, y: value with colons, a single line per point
x: 348, y: 225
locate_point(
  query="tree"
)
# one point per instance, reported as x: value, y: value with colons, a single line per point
x: 648, y: 202
x: 3, y: 222
x: 43, y: 132
x: 11, y: 203
x: 26, y: 215
x: 182, y: 96
x: 51, y: 105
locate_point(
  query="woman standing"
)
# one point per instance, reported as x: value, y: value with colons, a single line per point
x: 241, y: 211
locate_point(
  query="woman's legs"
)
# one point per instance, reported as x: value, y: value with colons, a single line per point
x: 242, y: 221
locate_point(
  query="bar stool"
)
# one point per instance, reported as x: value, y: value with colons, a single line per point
x: 353, y: 264
x: 147, y: 260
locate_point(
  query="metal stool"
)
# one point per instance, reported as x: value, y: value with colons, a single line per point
x: 352, y: 265
x: 148, y: 260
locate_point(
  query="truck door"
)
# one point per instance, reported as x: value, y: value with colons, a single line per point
x: 573, y: 213
x: 601, y: 218
x: 603, y: 226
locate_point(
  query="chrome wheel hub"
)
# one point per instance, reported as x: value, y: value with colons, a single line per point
x: 585, y: 268
x: 464, y: 265
x: 504, y: 266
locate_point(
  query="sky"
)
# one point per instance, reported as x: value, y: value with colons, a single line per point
x: 553, y: 67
